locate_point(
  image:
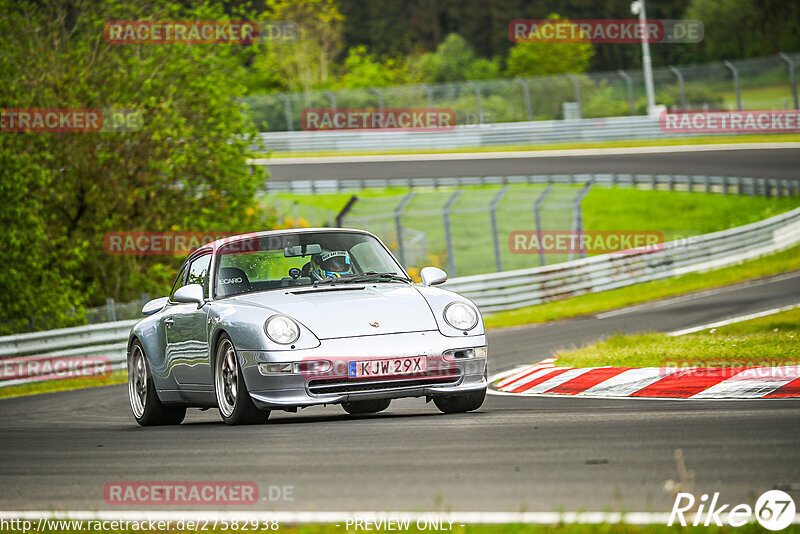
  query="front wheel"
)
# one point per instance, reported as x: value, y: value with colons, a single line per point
x: 461, y: 403
x: 146, y: 406
x: 366, y: 406
x: 235, y: 405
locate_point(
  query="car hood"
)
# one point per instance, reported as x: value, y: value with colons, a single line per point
x: 349, y: 310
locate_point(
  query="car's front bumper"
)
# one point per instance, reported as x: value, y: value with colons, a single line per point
x: 446, y: 375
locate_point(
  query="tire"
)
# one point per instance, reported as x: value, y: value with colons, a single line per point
x: 234, y: 402
x: 461, y: 403
x: 146, y: 406
x: 366, y: 406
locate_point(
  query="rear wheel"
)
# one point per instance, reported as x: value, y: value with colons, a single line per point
x: 366, y: 406
x: 235, y: 405
x: 146, y: 406
x: 461, y: 403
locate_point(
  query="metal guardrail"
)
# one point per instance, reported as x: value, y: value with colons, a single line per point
x: 504, y: 290
x: 666, y: 182
x: 526, y: 287
x: 40, y: 351
x: 500, y: 134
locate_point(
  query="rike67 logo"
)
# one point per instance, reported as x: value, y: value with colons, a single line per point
x: 774, y: 510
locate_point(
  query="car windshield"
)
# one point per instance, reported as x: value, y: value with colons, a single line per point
x: 303, y: 259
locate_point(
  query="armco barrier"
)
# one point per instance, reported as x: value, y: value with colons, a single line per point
x: 103, y: 340
x: 491, y: 292
x: 501, y: 134
x: 726, y: 185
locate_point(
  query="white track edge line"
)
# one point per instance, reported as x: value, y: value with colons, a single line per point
x: 732, y: 320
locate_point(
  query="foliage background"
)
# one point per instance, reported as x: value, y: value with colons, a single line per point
x: 62, y: 192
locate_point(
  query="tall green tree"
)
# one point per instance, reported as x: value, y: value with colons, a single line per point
x: 745, y: 28
x: 540, y: 58
x: 185, y: 169
x: 307, y: 62
x: 454, y: 60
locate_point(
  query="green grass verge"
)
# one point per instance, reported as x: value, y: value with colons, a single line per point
x: 618, y: 528
x: 33, y: 388
x: 768, y: 97
x: 674, y: 214
x: 764, y: 342
x: 700, y: 140
x: 787, y: 260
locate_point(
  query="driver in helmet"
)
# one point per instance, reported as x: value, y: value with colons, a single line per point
x: 331, y: 264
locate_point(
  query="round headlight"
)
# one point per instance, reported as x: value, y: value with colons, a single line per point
x: 459, y: 315
x: 281, y: 329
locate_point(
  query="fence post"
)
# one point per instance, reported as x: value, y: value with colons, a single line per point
x: 629, y: 83
x: 526, y: 93
x: 448, y: 236
x: 707, y: 180
x: 724, y: 185
x: 735, y: 73
x: 111, y: 310
x: 478, y: 103
x: 398, y: 225
x: 345, y: 210
x: 378, y: 94
x: 681, y: 88
x: 739, y: 186
x: 765, y: 182
x: 537, y: 218
x: 690, y: 183
x: 792, y: 77
x: 429, y: 92
x: 495, y: 234
x: 577, y: 219
x: 577, y: 85
x: 331, y: 98
x: 287, y: 109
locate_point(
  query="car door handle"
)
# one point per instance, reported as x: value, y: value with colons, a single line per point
x: 169, y: 321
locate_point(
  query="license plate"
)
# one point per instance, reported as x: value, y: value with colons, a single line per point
x: 394, y: 366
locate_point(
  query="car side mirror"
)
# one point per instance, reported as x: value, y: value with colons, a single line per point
x: 155, y: 305
x: 432, y: 276
x: 190, y: 294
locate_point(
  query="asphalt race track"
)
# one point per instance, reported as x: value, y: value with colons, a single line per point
x: 514, y: 454
x: 763, y: 163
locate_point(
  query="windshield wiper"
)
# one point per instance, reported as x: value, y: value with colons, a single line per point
x: 365, y: 277
x: 371, y: 275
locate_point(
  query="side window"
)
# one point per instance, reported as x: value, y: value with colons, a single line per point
x: 178, y: 281
x: 198, y: 272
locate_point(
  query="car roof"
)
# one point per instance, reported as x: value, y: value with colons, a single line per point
x: 214, y: 245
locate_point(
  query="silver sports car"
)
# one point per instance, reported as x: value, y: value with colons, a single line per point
x: 294, y: 318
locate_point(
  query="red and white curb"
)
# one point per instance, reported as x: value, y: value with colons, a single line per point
x: 546, y: 378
